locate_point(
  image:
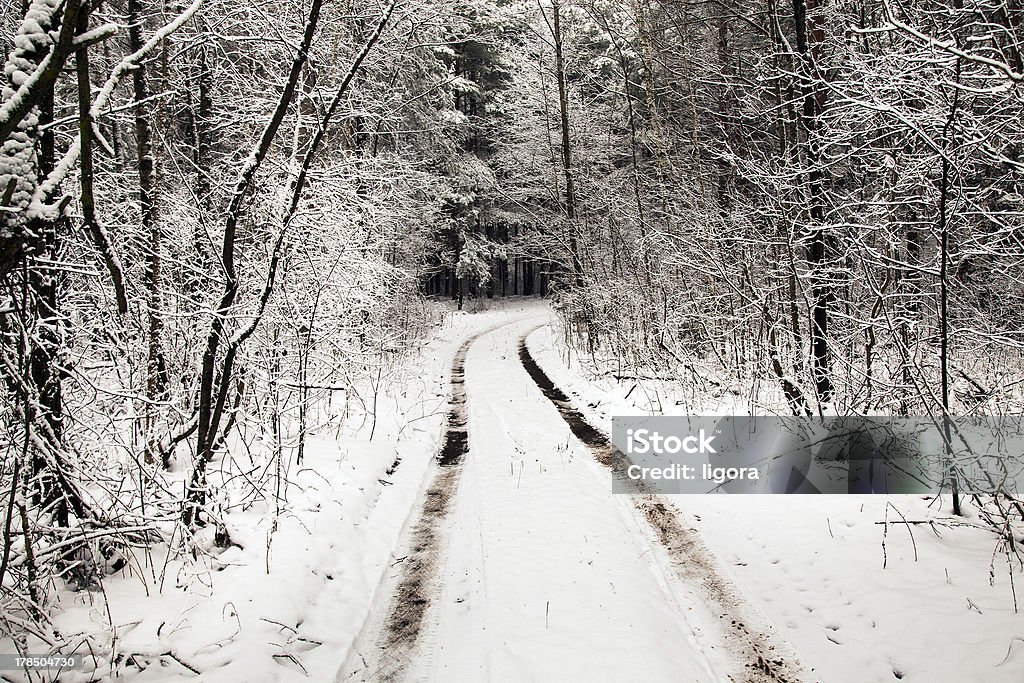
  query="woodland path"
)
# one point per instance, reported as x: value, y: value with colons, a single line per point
x: 523, y: 566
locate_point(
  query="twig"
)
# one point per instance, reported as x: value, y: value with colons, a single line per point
x: 912, y: 541
x: 185, y: 664
x: 1010, y: 649
x: 292, y: 657
x: 885, y: 532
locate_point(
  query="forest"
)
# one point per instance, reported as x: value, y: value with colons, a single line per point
x: 234, y: 232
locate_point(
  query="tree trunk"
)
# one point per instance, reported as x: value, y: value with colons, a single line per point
x: 567, y: 168
x: 156, y: 365
x: 809, y: 35
x: 44, y: 359
x: 948, y: 138
x: 85, y: 131
x: 203, y: 122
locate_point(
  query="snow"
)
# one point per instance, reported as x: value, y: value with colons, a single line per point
x: 546, y: 575
x: 38, y: 207
x: 292, y: 595
x: 815, y: 565
x: 19, y: 69
x: 95, y: 35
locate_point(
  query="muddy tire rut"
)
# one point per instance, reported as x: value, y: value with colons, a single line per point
x: 419, y: 580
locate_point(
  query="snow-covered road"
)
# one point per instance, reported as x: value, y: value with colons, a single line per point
x: 547, y: 575
x: 539, y: 572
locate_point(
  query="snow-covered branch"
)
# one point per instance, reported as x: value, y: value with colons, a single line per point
x: 48, y: 188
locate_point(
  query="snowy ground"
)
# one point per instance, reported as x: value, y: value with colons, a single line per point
x: 545, y: 574
x: 929, y: 606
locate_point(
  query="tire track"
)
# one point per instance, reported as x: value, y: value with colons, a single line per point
x: 765, y: 657
x: 418, y: 581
